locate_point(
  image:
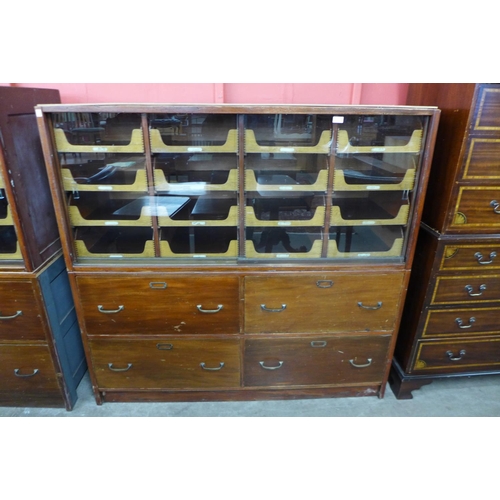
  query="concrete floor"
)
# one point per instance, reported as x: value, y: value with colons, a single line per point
x: 462, y: 397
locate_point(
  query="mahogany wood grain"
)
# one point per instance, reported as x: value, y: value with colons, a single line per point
x: 477, y: 210
x: 471, y: 256
x: 466, y: 289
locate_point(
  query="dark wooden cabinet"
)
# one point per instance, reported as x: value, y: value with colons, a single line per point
x: 451, y: 321
x: 41, y: 353
x: 221, y: 252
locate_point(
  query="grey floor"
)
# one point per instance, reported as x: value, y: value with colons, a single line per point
x: 462, y: 397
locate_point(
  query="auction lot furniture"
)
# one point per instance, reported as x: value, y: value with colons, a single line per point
x: 221, y: 252
x: 41, y: 353
x: 451, y: 320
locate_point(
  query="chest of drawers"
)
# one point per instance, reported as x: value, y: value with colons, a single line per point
x: 451, y: 322
x: 238, y: 252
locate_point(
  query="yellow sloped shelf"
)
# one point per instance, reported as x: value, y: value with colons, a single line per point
x: 8, y: 218
x: 394, y: 251
x: 252, y: 185
x: 317, y: 220
x: 412, y: 146
x: 165, y: 251
x: 339, y: 183
x: 251, y: 253
x: 400, y: 219
x: 82, y: 252
x: 136, y: 144
x: 140, y: 183
x: 161, y: 184
x: 230, y: 220
x: 2, y: 184
x: 76, y: 218
x: 323, y: 146
x: 158, y: 146
x: 12, y: 256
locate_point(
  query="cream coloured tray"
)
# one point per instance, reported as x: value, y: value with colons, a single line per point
x: 77, y: 219
x: 158, y: 146
x: 412, y: 146
x: 136, y: 144
x: 140, y: 183
x: 12, y: 256
x: 82, y: 252
x: 7, y: 221
x: 407, y: 183
x: 323, y: 146
x: 317, y: 220
x: 161, y: 184
x: 400, y: 219
x: 251, y: 253
x: 165, y: 251
x: 251, y: 184
x: 394, y: 251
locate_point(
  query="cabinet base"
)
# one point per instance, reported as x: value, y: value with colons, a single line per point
x: 402, y: 384
x: 237, y: 395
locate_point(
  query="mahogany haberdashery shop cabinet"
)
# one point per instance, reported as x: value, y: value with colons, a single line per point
x: 41, y: 353
x: 451, y: 321
x: 238, y: 252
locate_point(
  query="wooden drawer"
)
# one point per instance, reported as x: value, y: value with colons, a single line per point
x: 466, y: 289
x: 487, y: 113
x: 458, y: 355
x: 166, y: 363
x: 315, y: 360
x: 477, y: 209
x: 470, y: 321
x: 159, y: 304
x: 20, y: 314
x: 26, y: 368
x: 326, y: 303
x: 483, y: 159
x: 474, y: 257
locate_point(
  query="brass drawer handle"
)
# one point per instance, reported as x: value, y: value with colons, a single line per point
x: 361, y: 366
x: 324, y: 283
x: 264, y: 308
x: 469, y: 289
x: 17, y: 374
x: 18, y: 313
x: 479, y: 257
x: 318, y: 343
x: 280, y: 364
x: 209, y: 311
x: 461, y: 354
x: 113, y: 369
x: 461, y: 325
x: 496, y: 206
x: 221, y: 365
x: 158, y: 285
x: 110, y: 311
x: 372, y: 308
x: 164, y: 347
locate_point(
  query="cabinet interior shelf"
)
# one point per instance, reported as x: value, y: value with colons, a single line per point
x: 158, y: 146
x: 340, y: 184
x: 137, y: 181
x: 413, y: 145
x: 136, y: 144
x: 322, y: 147
x: 283, y: 183
x: 161, y: 184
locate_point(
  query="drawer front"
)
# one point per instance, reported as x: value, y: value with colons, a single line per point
x: 166, y: 363
x: 19, y: 312
x: 471, y: 321
x: 466, y: 289
x: 315, y: 360
x: 27, y: 369
x: 477, y: 257
x: 458, y: 355
x: 159, y: 305
x: 477, y: 209
x: 487, y: 117
x: 329, y: 303
x: 483, y: 159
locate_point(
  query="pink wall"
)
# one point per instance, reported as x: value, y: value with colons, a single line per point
x: 251, y: 93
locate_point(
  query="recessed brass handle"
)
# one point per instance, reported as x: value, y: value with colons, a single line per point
x: 158, y: 285
x: 318, y: 343
x: 496, y: 206
x: 460, y: 323
x: 209, y: 311
x: 221, y: 365
x: 267, y: 309
x: 164, y: 347
x: 110, y: 311
x: 450, y: 355
x: 324, y: 283
x: 113, y: 369
x: 469, y: 289
x: 373, y: 308
x: 17, y: 374
x: 262, y: 363
x: 361, y: 366
x: 18, y: 313
x: 479, y: 257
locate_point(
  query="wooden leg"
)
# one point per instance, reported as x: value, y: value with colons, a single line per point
x: 402, y: 386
